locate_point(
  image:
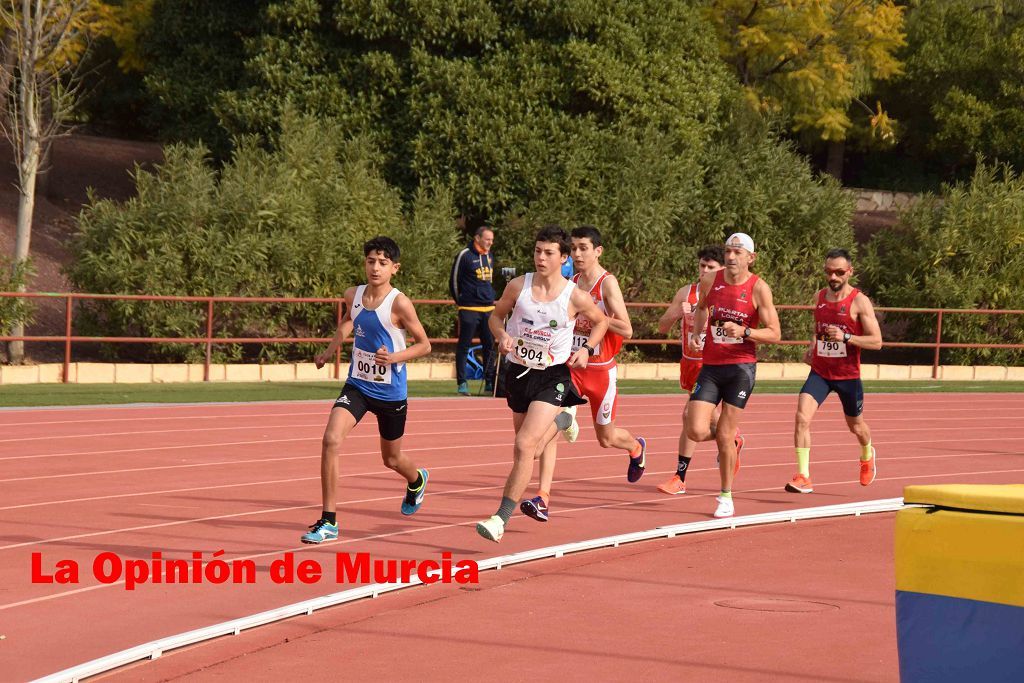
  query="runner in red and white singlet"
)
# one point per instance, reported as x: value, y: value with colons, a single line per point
x: 709, y: 259
x: 597, y: 381
x: 844, y: 323
x: 731, y: 304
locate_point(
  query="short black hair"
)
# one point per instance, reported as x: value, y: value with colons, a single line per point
x: 588, y: 232
x: 712, y: 252
x: 385, y: 245
x: 839, y: 253
x: 556, y: 234
x: 482, y: 229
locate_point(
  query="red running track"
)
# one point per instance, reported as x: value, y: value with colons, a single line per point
x: 244, y: 479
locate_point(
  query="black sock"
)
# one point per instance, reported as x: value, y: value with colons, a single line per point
x: 415, y: 486
x: 684, y: 464
x: 331, y: 517
x: 506, y: 509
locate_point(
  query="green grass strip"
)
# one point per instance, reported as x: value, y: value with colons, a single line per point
x: 29, y: 395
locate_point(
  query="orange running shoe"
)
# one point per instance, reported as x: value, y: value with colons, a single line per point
x: 800, y: 484
x: 868, y: 469
x: 673, y: 486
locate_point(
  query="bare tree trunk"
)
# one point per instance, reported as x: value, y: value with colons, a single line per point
x: 26, y: 209
x: 836, y: 154
x: 30, y: 73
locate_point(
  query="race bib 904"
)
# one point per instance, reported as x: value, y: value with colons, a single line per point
x: 366, y: 368
x: 532, y: 354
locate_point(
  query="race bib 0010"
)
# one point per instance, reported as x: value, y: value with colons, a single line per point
x: 366, y: 368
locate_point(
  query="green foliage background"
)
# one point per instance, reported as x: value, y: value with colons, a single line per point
x: 14, y: 310
x: 290, y: 221
x: 963, y: 249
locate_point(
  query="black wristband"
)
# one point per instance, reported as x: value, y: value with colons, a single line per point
x: 588, y: 347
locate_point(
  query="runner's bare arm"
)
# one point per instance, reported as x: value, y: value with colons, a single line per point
x: 700, y: 315
x: 770, y: 331
x: 675, y: 311
x: 344, y: 330
x: 580, y: 303
x: 618, y: 314
x: 809, y: 353
x: 872, y: 337
x: 404, y: 316
x: 502, y: 308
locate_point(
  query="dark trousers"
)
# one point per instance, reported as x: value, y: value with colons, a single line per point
x: 474, y: 324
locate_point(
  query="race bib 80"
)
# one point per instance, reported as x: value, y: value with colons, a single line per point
x: 719, y: 336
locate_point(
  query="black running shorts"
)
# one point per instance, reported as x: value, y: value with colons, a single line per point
x: 732, y: 384
x: 551, y: 385
x: 850, y: 391
x: 390, y: 414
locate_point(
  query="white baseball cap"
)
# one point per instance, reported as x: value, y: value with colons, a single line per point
x: 741, y: 239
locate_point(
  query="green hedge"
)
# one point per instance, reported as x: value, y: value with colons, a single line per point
x: 287, y: 222
x: 14, y: 310
x: 962, y: 249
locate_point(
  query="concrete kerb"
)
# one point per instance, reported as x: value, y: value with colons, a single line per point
x: 157, y: 373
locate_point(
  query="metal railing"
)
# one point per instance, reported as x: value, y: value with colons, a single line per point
x: 210, y: 302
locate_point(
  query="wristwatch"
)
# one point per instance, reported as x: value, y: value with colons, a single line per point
x: 588, y: 347
x: 847, y: 337
x: 746, y: 332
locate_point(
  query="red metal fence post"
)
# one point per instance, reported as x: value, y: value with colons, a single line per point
x: 938, y: 342
x: 337, y: 352
x: 209, y: 339
x: 69, y: 299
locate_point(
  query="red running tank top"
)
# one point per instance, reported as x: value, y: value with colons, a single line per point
x: 730, y: 303
x: 835, y: 360
x: 687, y: 324
x: 611, y: 344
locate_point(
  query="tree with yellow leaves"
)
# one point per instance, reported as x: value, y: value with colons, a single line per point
x: 809, y: 60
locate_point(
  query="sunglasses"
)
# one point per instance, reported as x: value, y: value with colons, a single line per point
x: 837, y: 271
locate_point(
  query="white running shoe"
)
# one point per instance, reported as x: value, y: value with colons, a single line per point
x: 566, y: 422
x: 492, y: 529
x: 725, y: 507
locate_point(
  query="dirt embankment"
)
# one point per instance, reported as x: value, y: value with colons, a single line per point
x: 77, y: 163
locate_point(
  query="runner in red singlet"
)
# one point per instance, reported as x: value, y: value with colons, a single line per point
x: 844, y: 323
x: 709, y: 259
x: 731, y: 304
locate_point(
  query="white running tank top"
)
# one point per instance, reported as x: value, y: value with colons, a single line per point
x: 541, y: 331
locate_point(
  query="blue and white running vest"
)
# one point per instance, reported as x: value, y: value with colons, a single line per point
x: 371, y: 330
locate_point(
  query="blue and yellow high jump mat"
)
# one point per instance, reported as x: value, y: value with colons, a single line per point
x: 960, y: 583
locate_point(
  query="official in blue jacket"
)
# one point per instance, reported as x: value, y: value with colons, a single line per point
x: 471, y: 286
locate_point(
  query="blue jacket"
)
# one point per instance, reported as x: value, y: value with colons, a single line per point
x: 471, y: 278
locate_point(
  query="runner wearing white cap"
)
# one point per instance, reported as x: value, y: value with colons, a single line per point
x: 731, y: 304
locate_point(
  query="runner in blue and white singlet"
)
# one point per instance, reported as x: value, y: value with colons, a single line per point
x: 370, y: 331
x: 376, y: 380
